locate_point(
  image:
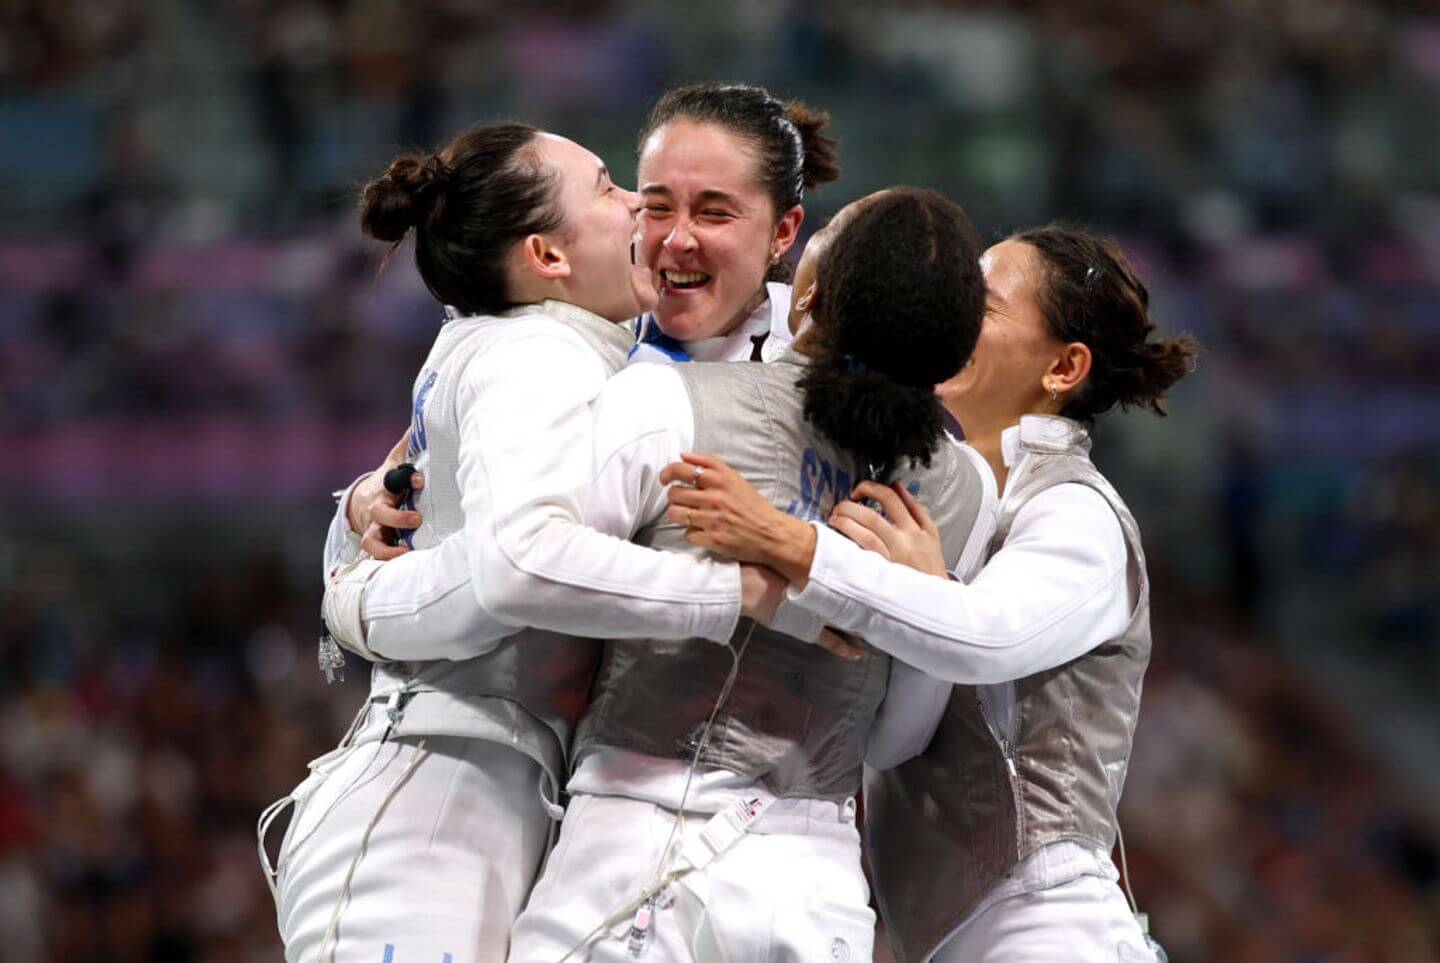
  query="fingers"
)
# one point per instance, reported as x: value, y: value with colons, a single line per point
x: 836, y: 644
x: 917, y: 510
x: 866, y: 517
x: 677, y: 472
x: 393, y: 517
x: 704, y: 461
x: 376, y: 544
x: 685, y: 517
x: 886, y: 498
x: 860, y: 535
x: 689, y: 497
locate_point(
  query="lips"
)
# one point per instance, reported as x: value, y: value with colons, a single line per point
x: 683, y: 280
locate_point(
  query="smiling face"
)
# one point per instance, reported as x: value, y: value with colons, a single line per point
x: 708, y: 228
x: 597, y: 233
x: 1004, y: 378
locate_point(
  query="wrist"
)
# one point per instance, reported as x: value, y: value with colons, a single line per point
x: 355, y: 498
x: 794, y: 551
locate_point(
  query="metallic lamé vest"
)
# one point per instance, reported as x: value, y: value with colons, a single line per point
x: 945, y: 827
x: 797, y: 717
x: 529, y: 692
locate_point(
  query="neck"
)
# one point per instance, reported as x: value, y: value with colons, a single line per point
x: 982, y: 432
x: 746, y: 312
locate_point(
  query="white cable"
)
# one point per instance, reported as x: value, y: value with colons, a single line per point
x: 662, y: 877
x: 1125, y: 868
x: 331, y: 930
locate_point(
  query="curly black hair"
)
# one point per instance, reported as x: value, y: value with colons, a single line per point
x: 898, y: 305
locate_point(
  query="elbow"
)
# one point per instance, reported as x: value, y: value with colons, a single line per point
x: 971, y: 664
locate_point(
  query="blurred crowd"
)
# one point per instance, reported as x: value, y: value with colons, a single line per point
x: 139, y: 750
x: 195, y: 346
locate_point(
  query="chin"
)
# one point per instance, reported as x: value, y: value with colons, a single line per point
x: 682, y: 325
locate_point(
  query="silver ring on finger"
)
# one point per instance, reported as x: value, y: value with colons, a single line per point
x: 695, y: 480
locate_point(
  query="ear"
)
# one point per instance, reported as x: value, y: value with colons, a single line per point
x: 545, y: 259
x: 1069, y: 369
x: 786, y: 231
x: 805, y: 303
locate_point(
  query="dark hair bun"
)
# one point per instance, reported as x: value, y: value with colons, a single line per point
x: 821, y: 163
x: 1158, y: 365
x: 404, y: 197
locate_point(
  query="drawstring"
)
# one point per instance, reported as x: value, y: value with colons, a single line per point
x: 333, y: 928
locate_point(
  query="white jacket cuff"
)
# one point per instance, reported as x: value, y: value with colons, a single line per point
x: 343, y: 606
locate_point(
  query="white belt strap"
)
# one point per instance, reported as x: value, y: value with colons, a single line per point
x: 722, y: 830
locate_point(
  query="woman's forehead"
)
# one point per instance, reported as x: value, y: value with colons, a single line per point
x: 1006, y: 266
x: 686, y: 156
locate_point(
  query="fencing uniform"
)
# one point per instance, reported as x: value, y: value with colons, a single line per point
x: 789, y: 741
x: 994, y: 844
x: 421, y: 835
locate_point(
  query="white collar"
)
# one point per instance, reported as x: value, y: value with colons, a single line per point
x: 771, y: 317
x: 1042, y: 433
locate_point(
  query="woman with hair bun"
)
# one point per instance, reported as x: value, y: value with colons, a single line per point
x: 732, y: 214
x: 420, y: 836
x: 994, y: 843
x: 723, y: 170
x: 761, y: 743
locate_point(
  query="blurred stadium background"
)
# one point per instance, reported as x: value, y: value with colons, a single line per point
x: 195, y: 348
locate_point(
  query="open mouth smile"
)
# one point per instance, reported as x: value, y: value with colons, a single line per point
x: 682, y: 280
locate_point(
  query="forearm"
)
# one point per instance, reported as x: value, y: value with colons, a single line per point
x: 547, y: 569
x: 997, y: 629
x: 422, y: 605
x: 914, y: 703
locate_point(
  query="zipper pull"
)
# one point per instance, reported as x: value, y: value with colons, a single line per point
x: 330, y: 656
x: 1009, y: 758
x: 395, y: 710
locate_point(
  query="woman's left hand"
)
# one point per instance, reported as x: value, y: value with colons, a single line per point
x: 723, y: 512
x: 908, y: 536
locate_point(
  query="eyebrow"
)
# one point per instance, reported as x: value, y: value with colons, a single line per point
x: 709, y: 195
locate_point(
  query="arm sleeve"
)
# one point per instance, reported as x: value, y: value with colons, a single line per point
x: 522, y: 403
x: 1055, y: 590
x: 561, y: 560
x: 914, y: 700
x: 342, y: 546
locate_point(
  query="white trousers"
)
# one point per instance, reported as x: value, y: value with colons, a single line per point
x: 1084, y: 920
x: 789, y: 890
x: 455, y: 837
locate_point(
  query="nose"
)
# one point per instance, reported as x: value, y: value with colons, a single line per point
x: 680, y: 238
x: 632, y: 201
